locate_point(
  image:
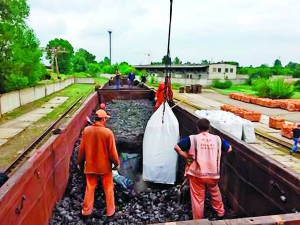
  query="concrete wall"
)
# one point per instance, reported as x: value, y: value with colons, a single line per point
x: 70, y: 81
x: 39, y: 92
x: 56, y: 87
x: 62, y: 85
x: 26, y: 95
x: 13, y: 100
x: 84, y: 80
x: 238, y: 81
x: 49, y: 89
x: 108, y: 76
x: 10, y: 101
x: 212, y: 76
x: 203, y: 82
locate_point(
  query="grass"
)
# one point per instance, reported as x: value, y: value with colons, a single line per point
x: 242, y: 88
x: 175, y: 86
x: 245, y: 89
x: 98, y: 79
x: 73, y: 92
x: 54, y: 78
x: 10, y: 149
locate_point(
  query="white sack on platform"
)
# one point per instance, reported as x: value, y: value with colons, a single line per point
x: 249, y: 132
x: 159, y: 156
x: 240, y: 128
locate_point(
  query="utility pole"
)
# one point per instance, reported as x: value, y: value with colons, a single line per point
x: 110, y: 31
x: 54, y: 51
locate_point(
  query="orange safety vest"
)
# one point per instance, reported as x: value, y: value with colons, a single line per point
x: 205, y: 151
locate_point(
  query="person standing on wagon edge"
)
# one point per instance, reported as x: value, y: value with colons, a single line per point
x: 203, y: 167
x: 97, y: 152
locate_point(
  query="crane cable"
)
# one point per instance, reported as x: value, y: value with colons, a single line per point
x: 167, y: 87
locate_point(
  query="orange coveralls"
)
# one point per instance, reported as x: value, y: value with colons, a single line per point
x: 205, y: 173
x: 160, y: 95
x: 98, y: 150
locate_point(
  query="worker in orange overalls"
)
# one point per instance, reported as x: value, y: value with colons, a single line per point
x: 203, y: 170
x: 97, y: 152
x: 160, y: 98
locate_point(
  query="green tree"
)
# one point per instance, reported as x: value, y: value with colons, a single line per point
x: 89, y: 57
x: 204, y: 62
x: 176, y: 61
x: 20, y: 54
x: 80, y: 64
x: 94, y: 68
x: 106, y: 61
x: 295, y: 67
x: 277, y: 63
x: 64, y: 59
x: 233, y: 63
x: 81, y: 60
x: 167, y: 60
x: 27, y: 56
x: 292, y: 65
x: 156, y: 63
x: 243, y: 70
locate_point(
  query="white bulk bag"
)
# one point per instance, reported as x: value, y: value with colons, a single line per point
x: 248, y: 132
x: 227, y: 121
x: 159, y: 156
x: 226, y: 126
x: 236, y: 129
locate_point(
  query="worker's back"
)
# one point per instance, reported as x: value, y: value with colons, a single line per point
x: 208, y: 156
x: 99, y: 149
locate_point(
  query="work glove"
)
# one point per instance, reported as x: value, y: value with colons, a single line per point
x: 125, y: 182
x: 116, y: 167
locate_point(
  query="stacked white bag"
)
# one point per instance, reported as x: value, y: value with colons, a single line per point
x: 240, y: 128
x: 159, y: 156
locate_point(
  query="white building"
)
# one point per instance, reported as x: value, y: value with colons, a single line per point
x: 221, y: 71
x: 194, y: 74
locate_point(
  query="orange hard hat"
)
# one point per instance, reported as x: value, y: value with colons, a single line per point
x: 102, y: 106
x: 101, y: 114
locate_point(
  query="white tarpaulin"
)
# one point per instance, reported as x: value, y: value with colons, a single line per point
x: 159, y: 156
x: 240, y: 128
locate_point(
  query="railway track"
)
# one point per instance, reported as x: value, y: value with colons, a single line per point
x: 26, y: 153
x: 285, y: 146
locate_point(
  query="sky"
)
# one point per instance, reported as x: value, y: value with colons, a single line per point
x: 251, y: 32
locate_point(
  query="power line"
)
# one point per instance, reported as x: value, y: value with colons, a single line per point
x: 54, y: 51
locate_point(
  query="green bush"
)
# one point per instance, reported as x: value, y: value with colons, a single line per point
x: 251, y: 79
x: 261, y: 87
x: 94, y: 68
x: 297, y: 85
x: 274, y: 89
x: 16, y: 82
x: 221, y: 84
